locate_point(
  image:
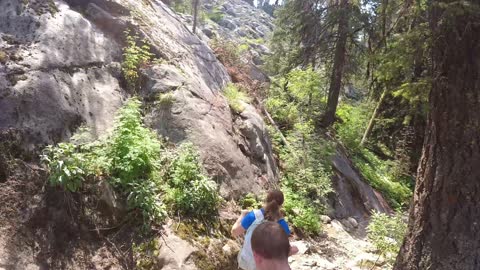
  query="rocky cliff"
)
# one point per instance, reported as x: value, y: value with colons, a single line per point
x: 61, y: 68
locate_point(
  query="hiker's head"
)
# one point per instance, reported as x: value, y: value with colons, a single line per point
x: 272, y: 205
x: 270, y: 245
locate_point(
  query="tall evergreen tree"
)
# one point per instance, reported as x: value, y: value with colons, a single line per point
x: 444, y: 229
x: 338, y: 62
x: 195, y: 4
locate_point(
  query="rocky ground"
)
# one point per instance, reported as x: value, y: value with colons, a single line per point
x: 338, y: 249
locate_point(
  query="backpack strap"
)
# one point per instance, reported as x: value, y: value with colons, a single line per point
x: 258, y: 214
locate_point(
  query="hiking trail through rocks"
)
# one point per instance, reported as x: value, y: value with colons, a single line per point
x: 337, y: 250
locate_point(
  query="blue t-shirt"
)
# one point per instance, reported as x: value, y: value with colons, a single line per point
x: 250, y: 218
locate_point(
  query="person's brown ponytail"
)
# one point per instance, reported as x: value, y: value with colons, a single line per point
x: 272, y: 207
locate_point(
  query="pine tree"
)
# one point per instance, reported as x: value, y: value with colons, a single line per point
x: 444, y: 229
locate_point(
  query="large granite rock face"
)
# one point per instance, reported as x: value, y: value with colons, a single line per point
x: 61, y: 69
x: 58, y: 72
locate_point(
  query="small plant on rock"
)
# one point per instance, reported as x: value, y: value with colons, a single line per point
x: 135, y: 57
x: 66, y: 166
x: 190, y: 192
x: 236, y: 98
x: 135, y: 154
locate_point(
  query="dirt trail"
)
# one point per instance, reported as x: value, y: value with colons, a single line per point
x: 337, y: 250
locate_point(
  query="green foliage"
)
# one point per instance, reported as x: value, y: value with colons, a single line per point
x: 306, y: 176
x: 166, y: 99
x: 250, y: 202
x: 236, y: 99
x: 296, y: 102
x: 296, y: 96
x: 190, y: 192
x: 134, y: 149
x: 182, y: 6
x: 300, y: 213
x: 354, y: 121
x: 65, y: 166
x: 135, y: 56
x: 380, y: 175
x: 137, y: 164
x: 387, y: 233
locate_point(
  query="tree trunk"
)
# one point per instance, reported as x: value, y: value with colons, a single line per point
x: 338, y: 64
x: 195, y: 14
x: 372, y: 119
x: 444, y: 228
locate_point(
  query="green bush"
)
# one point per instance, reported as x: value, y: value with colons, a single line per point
x: 190, y: 192
x: 250, y: 202
x: 306, y: 178
x: 387, y: 233
x: 135, y: 56
x: 236, y: 99
x: 354, y: 121
x: 66, y: 166
x: 296, y: 97
x: 300, y: 213
x: 380, y: 175
x: 134, y: 149
x: 129, y: 159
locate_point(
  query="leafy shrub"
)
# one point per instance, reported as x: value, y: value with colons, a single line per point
x: 146, y: 196
x: 129, y: 158
x: 306, y: 178
x: 354, y: 121
x: 380, y: 175
x: 65, y: 165
x: 166, y: 99
x: 300, y: 213
x: 135, y: 56
x: 190, y: 192
x: 134, y: 149
x: 136, y: 163
x: 387, y: 233
x: 135, y: 152
x: 250, y: 202
x: 296, y: 97
x: 235, y: 98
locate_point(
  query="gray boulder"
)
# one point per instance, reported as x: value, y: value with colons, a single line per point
x: 230, y: 25
x: 353, y: 197
x: 175, y: 253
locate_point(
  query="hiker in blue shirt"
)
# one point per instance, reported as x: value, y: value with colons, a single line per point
x: 248, y: 220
